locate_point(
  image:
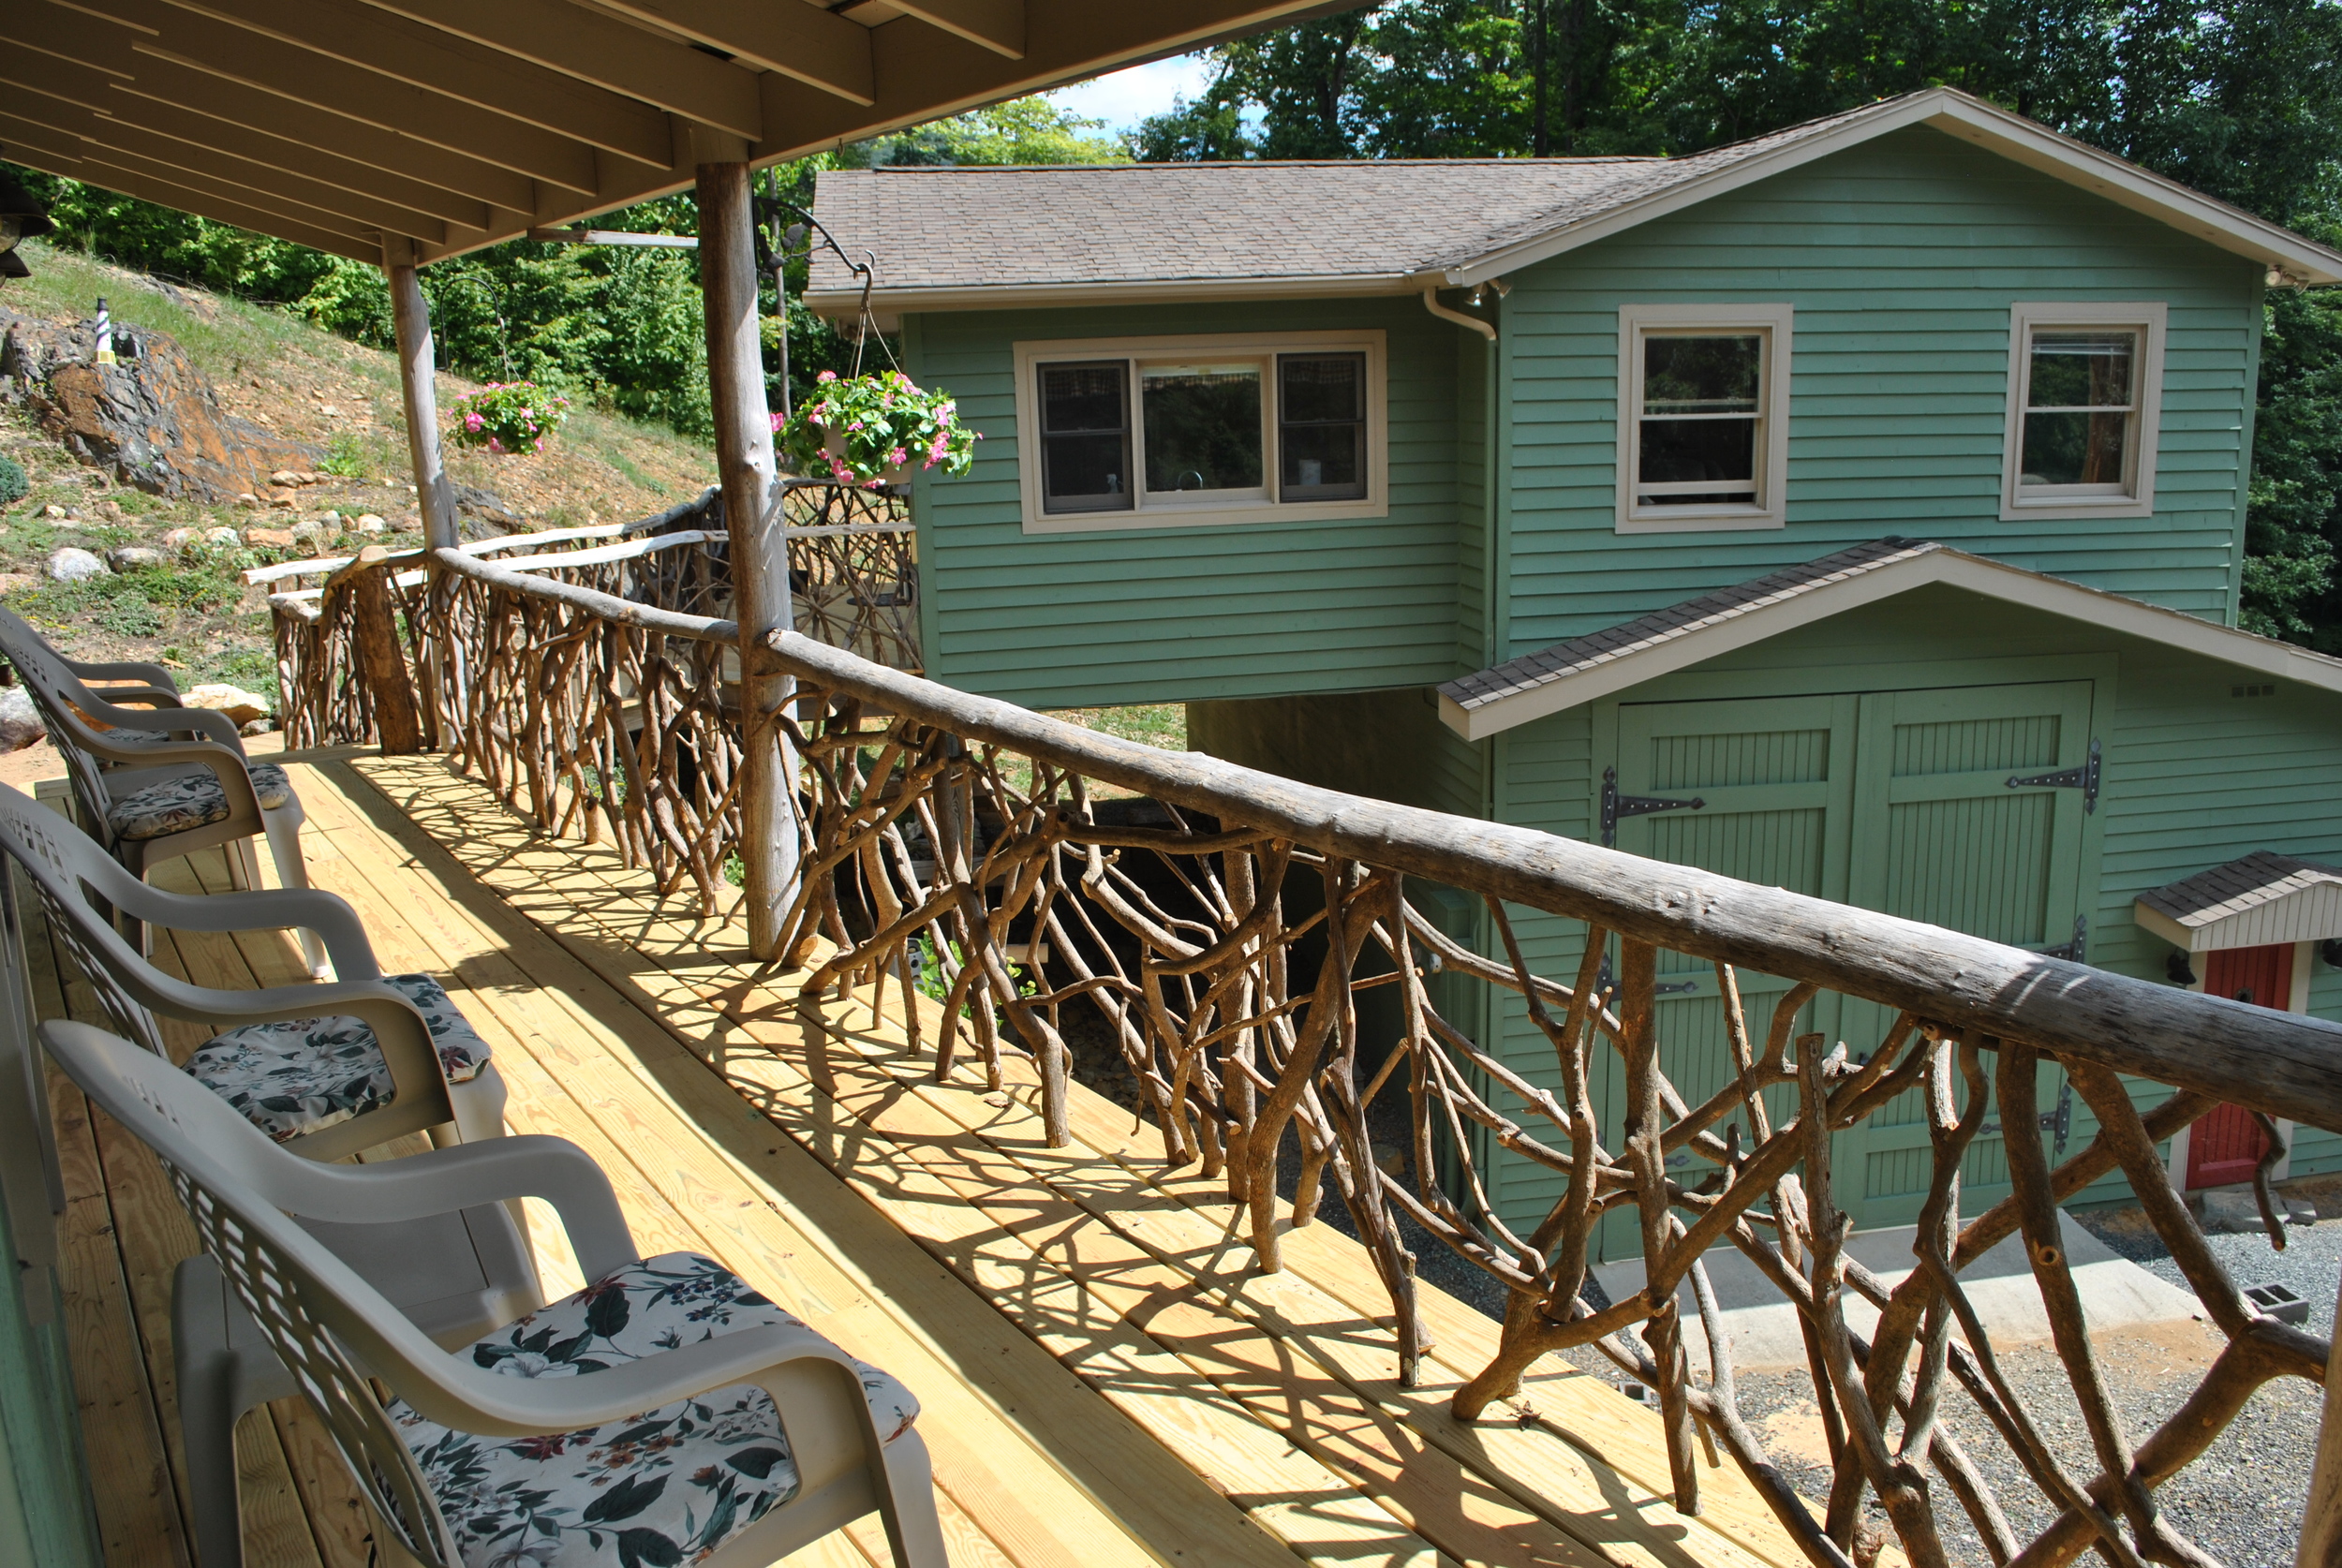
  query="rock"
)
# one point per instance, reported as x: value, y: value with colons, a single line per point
x: 2230, y: 1209
x: 54, y: 513
x: 19, y: 721
x: 288, y: 499
x: 74, y: 565
x: 225, y: 537
x: 133, y: 557
x: 248, y: 499
x: 285, y: 476
x: 2300, y: 1211
x: 329, y: 410
x: 330, y: 519
x: 151, y: 419
x: 309, y: 529
x: 110, y: 511
x: 237, y: 703
x: 179, y: 539
x: 369, y: 523
x: 281, y: 539
x: 258, y: 727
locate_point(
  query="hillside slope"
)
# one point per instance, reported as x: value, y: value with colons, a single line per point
x: 191, y: 611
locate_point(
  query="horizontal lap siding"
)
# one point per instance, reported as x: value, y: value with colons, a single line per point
x: 2194, y: 777
x: 1189, y: 613
x: 1902, y: 258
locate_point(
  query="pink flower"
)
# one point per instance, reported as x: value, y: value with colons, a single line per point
x: 495, y: 445
x: 898, y: 457
x: 473, y: 421
x: 826, y: 376
x: 778, y: 422
x: 538, y: 445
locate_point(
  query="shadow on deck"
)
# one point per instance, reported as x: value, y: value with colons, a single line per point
x: 1103, y: 1381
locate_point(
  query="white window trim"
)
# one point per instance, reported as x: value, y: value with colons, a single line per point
x: 1776, y: 322
x: 2151, y: 317
x: 1145, y: 513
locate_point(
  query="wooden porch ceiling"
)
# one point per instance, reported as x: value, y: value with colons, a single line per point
x: 355, y: 125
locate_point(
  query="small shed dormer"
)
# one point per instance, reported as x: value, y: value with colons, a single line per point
x: 2259, y: 900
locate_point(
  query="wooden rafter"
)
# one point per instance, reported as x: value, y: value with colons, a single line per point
x: 452, y: 124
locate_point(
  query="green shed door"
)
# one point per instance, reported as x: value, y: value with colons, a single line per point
x: 1940, y: 836
x: 1896, y: 801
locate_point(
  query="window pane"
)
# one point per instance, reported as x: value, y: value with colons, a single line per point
x: 2076, y: 448
x: 1324, y: 390
x: 1203, y: 427
x: 1083, y: 397
x: 1701, y: 375
x: 2082, y: 369
x: 1676, y: 452
x: 1324, y: 462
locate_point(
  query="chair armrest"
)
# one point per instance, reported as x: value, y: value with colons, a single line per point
x: 154, y: 696
x: 210, y: 724
x: 154, y: 676
x: 273, y: 908
x: 444, y: 1180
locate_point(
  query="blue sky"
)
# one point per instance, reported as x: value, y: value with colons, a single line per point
x: 1123, y: 98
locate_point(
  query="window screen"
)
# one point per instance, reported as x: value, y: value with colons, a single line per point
x: 1203, y: 427
x: 2081, y: 405
x: 1085, y: 437
x: 1320, y: 426
x: 1698, y: 436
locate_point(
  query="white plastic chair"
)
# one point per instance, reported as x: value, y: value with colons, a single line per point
x: 158, y: 783
x: 353, y: 1063
x: 747, y: 1442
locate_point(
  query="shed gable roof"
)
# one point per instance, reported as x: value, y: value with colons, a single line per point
x: 2261, y: 899
x: 979, y: 238
x: 1585, y: 669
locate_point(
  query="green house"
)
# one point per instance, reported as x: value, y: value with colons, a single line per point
x: 1858, y: 510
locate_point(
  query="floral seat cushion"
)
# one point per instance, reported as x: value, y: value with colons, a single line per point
x: 191, y: 801
x: 668, y: 1485
x: 302, y: 1074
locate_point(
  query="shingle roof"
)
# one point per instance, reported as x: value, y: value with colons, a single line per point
x: 2257, y: 878
x: 943, y: 227
x: 1597, y: 648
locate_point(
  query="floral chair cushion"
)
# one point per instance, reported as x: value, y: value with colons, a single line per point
x: 666, y: 1487
x: 303, y: 1074
x: 191, y: 801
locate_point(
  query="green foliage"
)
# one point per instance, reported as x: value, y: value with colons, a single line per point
x: 508, y: 417
x: 2293, y: 587
x: 344, y: 457
x: 14, y: 486
x: 1022, y: 131
x: 883, y: 422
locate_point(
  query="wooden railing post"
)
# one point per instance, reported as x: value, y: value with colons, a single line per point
x: 435, y: 497
x: 760, y: 555
x: 2322, y: 1518
x: 381, y: 661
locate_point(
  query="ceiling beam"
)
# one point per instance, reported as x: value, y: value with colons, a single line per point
x: 297, y: 75
x: 226, y: 186
x: 997, y: 25
x: 424, y: 57
x: 594, y: 47
x: 225, y: 210
x: 65, y: 35
x: 799, y: 41
x: 38, y: 146
x: 207, y: 167
x: 299, y: 157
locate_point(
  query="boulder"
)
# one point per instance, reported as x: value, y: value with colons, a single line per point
x: 369, y: 523
x: 258, y: 727
x: 19, y: 721
x: 133, y: 557
x: 281, y: 539
x: 179, y: 539
x: 53, y: 514
x: 309, y: 529
x: 151, y: 418
x: 2230, y: 1209
x: 224, y: 537
x: 75, y: 565
x: 237, y: 703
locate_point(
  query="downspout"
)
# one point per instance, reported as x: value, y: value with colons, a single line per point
x: 1430, y: 302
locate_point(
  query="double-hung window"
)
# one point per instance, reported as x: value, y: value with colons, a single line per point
x: 1167, y: 431
x: 2085, y: 394
x: 1703, y: 416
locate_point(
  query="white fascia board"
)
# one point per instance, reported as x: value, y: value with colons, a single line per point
x: 1953, y: 567
x: 1015, y: 296
x: 2013, y: 137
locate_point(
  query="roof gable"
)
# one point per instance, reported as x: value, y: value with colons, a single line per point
x: 984, y: 238
x: 2259, y: 900
x: 1585, y: 669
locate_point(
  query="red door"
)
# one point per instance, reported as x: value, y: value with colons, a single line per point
x: 2228, y: 1143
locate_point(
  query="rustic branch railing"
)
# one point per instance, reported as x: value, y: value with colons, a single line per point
x: 963, y: 849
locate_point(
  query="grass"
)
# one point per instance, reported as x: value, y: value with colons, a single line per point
x: 1160, y: 725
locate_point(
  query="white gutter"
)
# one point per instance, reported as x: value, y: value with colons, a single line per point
x: 1430, y: 302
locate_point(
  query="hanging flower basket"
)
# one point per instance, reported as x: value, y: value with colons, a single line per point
x: 510, y: 417
x: 873, y: 430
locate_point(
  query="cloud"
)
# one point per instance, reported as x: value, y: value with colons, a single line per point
x: 1123, y: 98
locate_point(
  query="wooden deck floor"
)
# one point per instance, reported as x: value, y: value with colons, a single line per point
x: 1104, y: 1383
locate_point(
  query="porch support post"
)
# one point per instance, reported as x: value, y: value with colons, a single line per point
x: 760, y: 555
x: 435, y: 497
x: 2322, y: 1518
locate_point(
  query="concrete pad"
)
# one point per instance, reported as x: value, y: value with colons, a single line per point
x: 2115, y: 1293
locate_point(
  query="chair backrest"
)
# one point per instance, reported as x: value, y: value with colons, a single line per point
x: 319, y: 1316
x: 62, y: 699
x: 65, y: 865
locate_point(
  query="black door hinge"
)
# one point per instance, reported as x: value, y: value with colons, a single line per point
x: 2077, y: 951
x: 2084, y: 778
x: 2059, y: 1121
x: 1603, y: 980
x: 1616, y: 807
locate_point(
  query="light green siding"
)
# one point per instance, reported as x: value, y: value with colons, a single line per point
x: 2194, y: 776
x: 1902, y: 258
x: 1183, y: 614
